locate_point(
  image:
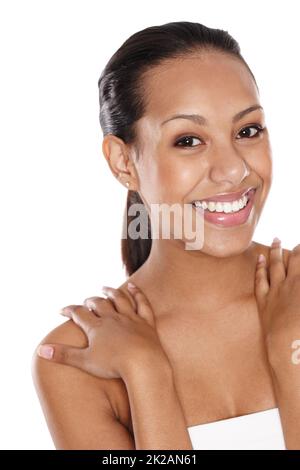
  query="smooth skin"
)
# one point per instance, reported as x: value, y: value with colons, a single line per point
x: 204, y: 348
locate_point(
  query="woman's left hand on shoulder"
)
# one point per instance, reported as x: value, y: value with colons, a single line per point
x: 277, y: 291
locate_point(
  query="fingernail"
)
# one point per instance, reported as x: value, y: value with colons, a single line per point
x: 130, y: 285
x: 90, y: 305
x: 261, y: 258
x: 45, y: 351
x: 65, y: 311
x: 88, y: 302
x: 276, y: 240
x: 106, y: 291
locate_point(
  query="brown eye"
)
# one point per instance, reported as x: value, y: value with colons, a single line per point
x: 250, y: 134
x: 186, y: 141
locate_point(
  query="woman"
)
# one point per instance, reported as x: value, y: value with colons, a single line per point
x: 206, y: 336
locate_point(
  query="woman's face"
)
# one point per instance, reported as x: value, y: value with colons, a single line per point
x: 184, y: 160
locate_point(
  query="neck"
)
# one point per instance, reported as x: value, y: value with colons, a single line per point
x: 194, y: 275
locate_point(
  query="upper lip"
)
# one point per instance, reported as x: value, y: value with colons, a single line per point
x: 223, y: 197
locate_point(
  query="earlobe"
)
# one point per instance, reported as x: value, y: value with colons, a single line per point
x: 121, y: 177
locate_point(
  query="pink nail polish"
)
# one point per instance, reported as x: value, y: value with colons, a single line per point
x: 45, y: 351
x: 276, y: 240
x: 65, y: 311
x: 130, y: 285
x: 261, y: 258
x: 106, y: 291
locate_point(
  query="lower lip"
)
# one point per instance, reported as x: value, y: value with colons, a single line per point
x: 232, y: 218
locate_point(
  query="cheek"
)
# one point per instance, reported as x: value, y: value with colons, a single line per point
x: 178, y: 178
x: 167, y: 179
x: 180, y: 173
x: 260, y: 161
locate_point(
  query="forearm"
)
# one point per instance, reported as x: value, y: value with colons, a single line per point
x: 157, y: 416
x: 286, y: 381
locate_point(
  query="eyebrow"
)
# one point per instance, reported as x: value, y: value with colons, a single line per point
x: 201, y: 120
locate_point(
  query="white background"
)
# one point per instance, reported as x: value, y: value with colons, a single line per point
x: 61, y: 209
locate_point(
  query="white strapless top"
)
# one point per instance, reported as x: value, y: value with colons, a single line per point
x: 260, y: 430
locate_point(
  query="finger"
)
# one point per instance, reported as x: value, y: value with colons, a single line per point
x: 293, y: 267
x: 82, y: 316
x: 62, y: 354
x: 143, y: 306
x: 276, y: 265
x: 101, y: 306
x: 121, y: 301
x: 261, y: 279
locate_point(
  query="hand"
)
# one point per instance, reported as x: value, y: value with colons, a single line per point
x: 120, y: 332
x: 277, y: 291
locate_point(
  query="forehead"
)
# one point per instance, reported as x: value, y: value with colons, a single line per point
x: 209, y: 83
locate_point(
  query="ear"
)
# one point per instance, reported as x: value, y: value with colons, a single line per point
x: 119, y: 159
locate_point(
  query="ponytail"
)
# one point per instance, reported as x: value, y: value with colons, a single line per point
x: 134, y: 251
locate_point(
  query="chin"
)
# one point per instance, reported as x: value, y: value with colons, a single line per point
x: 228, y: 243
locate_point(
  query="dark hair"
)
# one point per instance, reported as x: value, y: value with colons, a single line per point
x: 122, y: 97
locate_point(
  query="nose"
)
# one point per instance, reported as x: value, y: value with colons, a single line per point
x: 228, y: 166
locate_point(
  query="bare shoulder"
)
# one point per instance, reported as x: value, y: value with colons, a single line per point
x: 81, y: 411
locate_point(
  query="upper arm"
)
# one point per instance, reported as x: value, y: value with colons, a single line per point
x: 75, y: 404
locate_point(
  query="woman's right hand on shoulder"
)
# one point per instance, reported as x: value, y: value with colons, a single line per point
x: 121, y: 332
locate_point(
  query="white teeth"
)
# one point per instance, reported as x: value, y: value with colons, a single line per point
x: 226, y: 207
x: 219, y: 207
x: 211, y: 206
x: 235, y: 206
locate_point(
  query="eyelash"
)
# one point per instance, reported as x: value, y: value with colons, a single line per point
x: 259, y: 129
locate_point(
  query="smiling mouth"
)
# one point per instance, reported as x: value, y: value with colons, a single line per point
x: 223, y: 205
